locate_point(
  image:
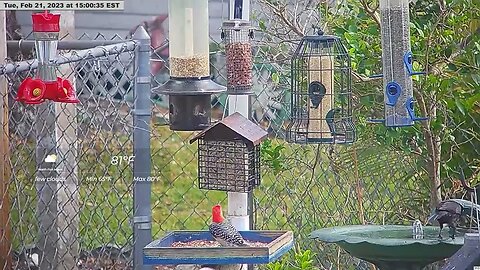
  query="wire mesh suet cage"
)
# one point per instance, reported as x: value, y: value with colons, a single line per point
x: 237, y: 35
x: 229, y: 155
x: 321, y: 101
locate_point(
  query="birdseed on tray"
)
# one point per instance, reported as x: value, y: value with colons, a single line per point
x: 205, y: 243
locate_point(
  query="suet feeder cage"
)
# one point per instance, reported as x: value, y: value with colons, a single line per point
x: 229, y: 155
x: 397, y: 64
x: 190, y: 87
x: 46, y: 85
x: 237, y: 35
x: 321, y: 101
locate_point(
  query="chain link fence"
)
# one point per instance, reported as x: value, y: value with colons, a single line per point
x: 384, y: 178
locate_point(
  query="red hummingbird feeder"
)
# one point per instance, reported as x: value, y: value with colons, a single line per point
x: 46, y: 84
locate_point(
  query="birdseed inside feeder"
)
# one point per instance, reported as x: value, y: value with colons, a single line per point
x: 190, y: 87
x: 321, y: 103
x: 397, y: 63
x: 229, y: 155
x: 237, y: 35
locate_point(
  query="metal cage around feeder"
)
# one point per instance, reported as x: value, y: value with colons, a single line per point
x: 321, y: 94
x: 237, y: 35
x: 229, y: 155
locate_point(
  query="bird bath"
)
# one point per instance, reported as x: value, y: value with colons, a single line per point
x: 391, y: 247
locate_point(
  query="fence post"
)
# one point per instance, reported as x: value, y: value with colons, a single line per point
x: 68, y: 194
x: 142, y: 212
x: 5, y: 232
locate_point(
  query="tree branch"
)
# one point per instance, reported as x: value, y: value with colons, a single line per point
x: 372, y: 12
x: 280, y: 12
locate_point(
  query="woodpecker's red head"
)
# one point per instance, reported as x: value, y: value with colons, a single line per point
x: 217, y: 215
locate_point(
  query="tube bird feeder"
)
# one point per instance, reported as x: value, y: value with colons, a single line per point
x: 397, y: 64
x: 321, y: 103
x: 190, y: 87
x: 238, y: 49
x: 46, y: 85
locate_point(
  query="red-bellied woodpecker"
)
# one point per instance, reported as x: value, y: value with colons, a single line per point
x: 223, y: 231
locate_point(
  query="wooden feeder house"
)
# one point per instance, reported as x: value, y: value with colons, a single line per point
x: 229, y: 155
x: 321, y: 102
x: 397, y: 64
x: 190, y: 87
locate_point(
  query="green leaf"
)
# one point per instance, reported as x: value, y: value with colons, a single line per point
x: 460, y: 106
x: 275, y: 77
x: 262, y: 26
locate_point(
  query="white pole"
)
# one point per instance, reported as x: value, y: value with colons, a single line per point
x: 238, y: 202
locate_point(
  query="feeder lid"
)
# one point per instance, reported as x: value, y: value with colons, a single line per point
x: 238, y: 124
x: 321, y: 38
x: 236, y: 24
x: 189, y: 87
x: 46, y: 22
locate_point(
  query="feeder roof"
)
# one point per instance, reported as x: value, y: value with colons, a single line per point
x: 237, y: 124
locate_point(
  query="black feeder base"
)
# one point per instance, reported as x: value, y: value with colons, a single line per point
x: 189, y: 102
x: 188, y: 113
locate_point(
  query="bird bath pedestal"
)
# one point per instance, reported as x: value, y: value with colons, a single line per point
x: 391, y: 247
x: 161, y: 252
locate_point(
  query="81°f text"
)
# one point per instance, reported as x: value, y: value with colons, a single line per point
x: 61, y: 5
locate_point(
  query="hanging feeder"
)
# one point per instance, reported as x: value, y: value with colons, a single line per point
x: 321, y: 102
x: 229, y: 155
x: 190, y: 87
x: 397, y: 65
x: 237, y: 35
x: 46, y: 85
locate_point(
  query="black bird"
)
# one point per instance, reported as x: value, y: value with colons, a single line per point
x: 449, y: 212
x: 330, y: 119
x: 316, y: 92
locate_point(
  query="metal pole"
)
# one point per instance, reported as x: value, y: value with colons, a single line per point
x: 238, y: 202
x: 68, y: 193
x: 5, y: 230
x: 77, y: 56
x: 142, y: 214
x: 26, y: 45
x: 47, y: 175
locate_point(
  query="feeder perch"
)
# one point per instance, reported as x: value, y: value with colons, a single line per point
x: 321, y: 102
x: 161, y: 252
x: 46, y: 85
x: 190, y: 87
x: 397, y: 64
x: 229, y: 155
x: 238, y: 49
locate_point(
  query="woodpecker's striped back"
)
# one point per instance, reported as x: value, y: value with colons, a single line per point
x: 226, y: 234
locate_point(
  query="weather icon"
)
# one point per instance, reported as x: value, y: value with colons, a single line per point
x: 51, y: 158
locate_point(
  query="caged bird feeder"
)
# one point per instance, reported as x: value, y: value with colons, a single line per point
x: 229, y: 155
x: 190, y: 87
x: 321, y: 102
x: 46, y: 85
x: 397, y: 64
x: 237, y: 35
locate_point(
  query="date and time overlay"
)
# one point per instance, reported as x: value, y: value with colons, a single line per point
x: 109, y: 5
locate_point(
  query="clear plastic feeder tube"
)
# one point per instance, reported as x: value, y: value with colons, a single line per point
x: 46, y: 48
x: 237, y: 35
x: 188, y: 37
x: 398, y: 85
